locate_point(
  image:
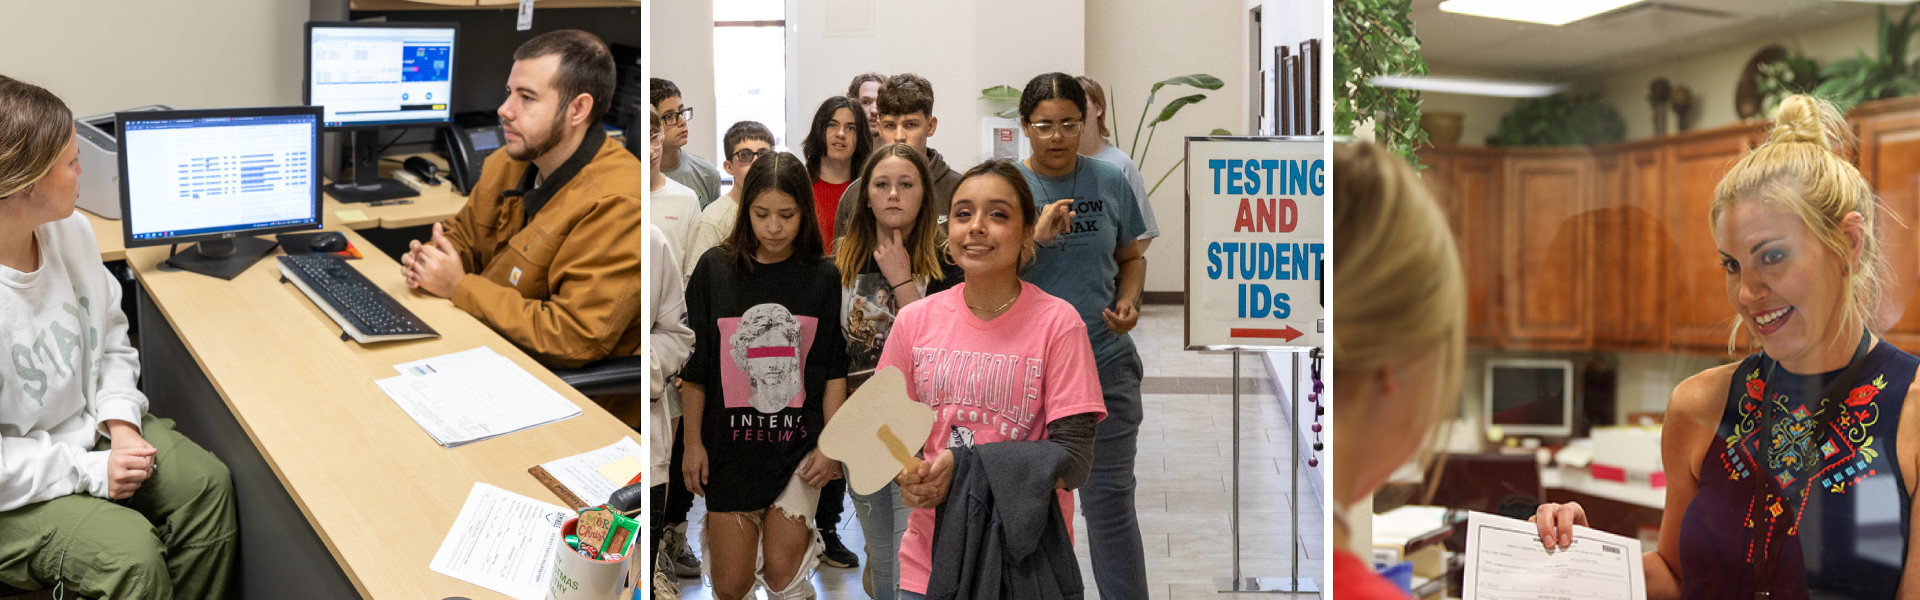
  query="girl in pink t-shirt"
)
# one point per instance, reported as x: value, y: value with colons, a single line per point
x: 996, y: 358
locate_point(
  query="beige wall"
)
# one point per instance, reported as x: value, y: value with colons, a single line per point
x: 1712, y: 76
x: 101, y: 56
x: 1133, y: 43
x: 960, y: 47
x: 680, y: 49
x: 1480, y: 114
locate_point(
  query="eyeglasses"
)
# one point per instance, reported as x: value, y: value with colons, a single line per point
x: 677, y: 117
x: 656, y: 139
x: 744, y: 155
x: 1049, y: 130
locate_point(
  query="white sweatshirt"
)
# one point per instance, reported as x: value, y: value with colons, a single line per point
x: 68, y: 369
x: 671, y: 342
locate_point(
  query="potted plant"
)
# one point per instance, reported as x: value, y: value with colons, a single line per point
x: 1890, y: 74
x: 1560, y: 120
x: 1009, y: 96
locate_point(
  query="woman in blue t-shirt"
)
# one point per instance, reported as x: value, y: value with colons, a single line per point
x: 1088, y: 257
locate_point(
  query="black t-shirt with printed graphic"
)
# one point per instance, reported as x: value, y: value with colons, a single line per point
x: 766, y: 342
x: 867, y: 311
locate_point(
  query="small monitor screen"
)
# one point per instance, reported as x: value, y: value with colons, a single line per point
x: 218, y: 174
x: 1528, y: 395
x: 485, y: 139
x: 381, y: 75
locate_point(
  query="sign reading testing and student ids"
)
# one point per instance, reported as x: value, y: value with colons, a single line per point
x: 1256, y: 245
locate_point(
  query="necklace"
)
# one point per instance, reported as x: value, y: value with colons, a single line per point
x: 1016, y: 296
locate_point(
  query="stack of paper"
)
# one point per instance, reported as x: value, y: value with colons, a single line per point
x: 591, y: 476
x: 465, y: 397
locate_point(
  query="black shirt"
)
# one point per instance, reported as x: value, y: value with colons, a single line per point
x: 867, y: 311
x: 766, y: 342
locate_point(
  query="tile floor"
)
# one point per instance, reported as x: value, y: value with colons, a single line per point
x: 1184, y: 471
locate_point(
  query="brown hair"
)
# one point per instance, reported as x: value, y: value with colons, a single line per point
x: 855, y: 247
x: 35, y: 127
x: 586, y: 67
x: 779, y: 172
x: 1029, y: 214
x: 1096, y: 96
x: 1800, y: 168
x: 905, y: 94
x: 853, y: 89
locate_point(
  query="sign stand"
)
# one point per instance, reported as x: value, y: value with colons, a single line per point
x: 1268, y: 585
x: 1254, y: 259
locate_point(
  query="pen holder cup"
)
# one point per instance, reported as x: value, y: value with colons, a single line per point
x: 577, y: 577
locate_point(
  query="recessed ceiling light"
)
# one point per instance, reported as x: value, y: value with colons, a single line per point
x: 1545, y: 12
x: 1471, y: 87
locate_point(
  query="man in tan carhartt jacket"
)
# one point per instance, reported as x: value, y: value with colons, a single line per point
x: 547, y: 249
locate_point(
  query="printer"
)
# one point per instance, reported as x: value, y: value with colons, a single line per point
x: 100, y: 162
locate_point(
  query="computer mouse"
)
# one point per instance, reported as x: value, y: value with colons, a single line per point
x: 329, y: 241
x: 426, y: 170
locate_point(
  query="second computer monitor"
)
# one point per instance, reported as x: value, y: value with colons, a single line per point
x: 373, y: 76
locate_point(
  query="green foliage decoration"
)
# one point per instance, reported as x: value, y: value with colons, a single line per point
x: 1890, y: 74
x: 1560, y: 120
x: 1374, y: 38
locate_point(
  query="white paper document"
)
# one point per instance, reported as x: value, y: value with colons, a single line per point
x: 581, y: 472
x: 475, y: 398
x: 477, y: 357
x: 1505, y: 561
x: 504, y: 542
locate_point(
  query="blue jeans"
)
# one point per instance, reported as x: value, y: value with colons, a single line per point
x: 906, y: 595
x: 883, y: 519
x: 1113, y: 527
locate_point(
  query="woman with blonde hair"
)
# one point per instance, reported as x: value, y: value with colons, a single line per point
x: 889, y: 258
x: 1398, y: 343
x: 84, y: 506
x: 1792, y: 472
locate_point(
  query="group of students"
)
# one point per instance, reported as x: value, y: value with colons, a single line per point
x: 102, y: 499
x: 1004, y: 293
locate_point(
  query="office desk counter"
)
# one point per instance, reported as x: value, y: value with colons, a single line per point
x: 435, y: 203
x: 254, y: 371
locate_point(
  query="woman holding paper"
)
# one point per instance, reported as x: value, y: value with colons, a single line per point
x: 1398, y: 346
x: 1052, y: 397
x: 84, y: 504
x: 888, y: 259
x: 768, y: 371
x: 1806, y: 436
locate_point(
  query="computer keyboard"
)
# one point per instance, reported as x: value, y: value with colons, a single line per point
x: 363, y: 311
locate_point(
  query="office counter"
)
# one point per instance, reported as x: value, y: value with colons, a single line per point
x: 340, y: 493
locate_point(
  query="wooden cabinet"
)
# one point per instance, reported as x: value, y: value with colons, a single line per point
x: 1630, y: 250
x: 1890, y: 160
x: 1700, y: 317
x: 1467, y: 183
x: 1547, y: 257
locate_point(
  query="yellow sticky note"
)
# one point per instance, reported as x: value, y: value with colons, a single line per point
x: 351, y: 215
x: 622, y: 471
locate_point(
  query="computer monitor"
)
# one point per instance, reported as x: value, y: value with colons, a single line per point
x: 373, y: 76
x: 1530, y: 396
x: 217, y: 178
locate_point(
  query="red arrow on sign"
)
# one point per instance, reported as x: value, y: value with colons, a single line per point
x: 1288, y: 334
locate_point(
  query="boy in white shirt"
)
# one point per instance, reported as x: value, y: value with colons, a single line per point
x: 745, y: 142
x: 670, y: 206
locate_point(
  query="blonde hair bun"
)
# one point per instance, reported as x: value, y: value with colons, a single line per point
x: 1805, y: 119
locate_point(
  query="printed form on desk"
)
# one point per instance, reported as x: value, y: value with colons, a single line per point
x: 585, y: 474
x: 470, y: 396
x: 504, y: 542
x: 1505, y: 561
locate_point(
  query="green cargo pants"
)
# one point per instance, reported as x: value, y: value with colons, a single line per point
x: 174, y: 538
